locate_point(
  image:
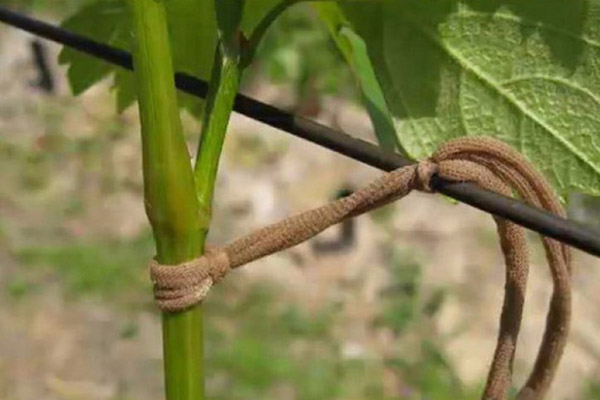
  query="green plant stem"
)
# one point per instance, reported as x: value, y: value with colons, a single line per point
x: 223, y: 88
x: 249, y: 50
x: 169, y: 192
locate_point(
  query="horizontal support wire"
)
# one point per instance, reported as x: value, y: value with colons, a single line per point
x: 572, y: 233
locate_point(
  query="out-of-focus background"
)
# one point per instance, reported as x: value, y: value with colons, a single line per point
x: 402, y: 303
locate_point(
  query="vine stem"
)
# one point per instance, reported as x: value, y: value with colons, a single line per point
x: 179, y: 200
x: 223, y: 88
x: 262, y: 28
x: 169, y: 192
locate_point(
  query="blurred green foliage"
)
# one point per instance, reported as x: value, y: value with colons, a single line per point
x: 406, y: 310
x: 106, y: 268
x: 263, y: 346
x: 593, y: 391
x: 298, y: 51
x: 55, y: 7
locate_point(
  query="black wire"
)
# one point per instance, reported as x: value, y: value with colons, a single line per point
x: 572, y: 233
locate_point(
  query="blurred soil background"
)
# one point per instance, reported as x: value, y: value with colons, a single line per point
x: 401, y: 304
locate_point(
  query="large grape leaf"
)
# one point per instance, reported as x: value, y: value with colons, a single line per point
x: 526, y: 72
x: 192, y: 30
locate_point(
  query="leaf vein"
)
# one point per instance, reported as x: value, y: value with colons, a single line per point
x: 483, y: 77
x: 553, y: 79
x: 529, y: 22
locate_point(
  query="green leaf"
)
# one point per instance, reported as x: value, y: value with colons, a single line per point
x: 525, y: 72
x: 355, y: 52
x: 125, y: 89
x: 84, y: 71
x: 192, y: 31
x: 193, y: 34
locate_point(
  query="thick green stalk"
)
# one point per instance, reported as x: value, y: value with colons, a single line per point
x: 169, y: 192
x: 223, y: 88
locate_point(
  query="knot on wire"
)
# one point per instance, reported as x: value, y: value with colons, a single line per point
x: 426, y: 169
x: 484, y: 161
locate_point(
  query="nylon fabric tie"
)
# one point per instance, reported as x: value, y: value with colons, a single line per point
x: 178, y: 288
x: 485, y: 161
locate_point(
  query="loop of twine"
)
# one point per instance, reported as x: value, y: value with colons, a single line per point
x: 485, y: 161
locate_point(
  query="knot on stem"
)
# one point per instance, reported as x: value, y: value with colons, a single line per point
x: 177, y: 287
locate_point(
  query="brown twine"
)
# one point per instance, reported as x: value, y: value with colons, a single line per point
x: 487, y: 162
